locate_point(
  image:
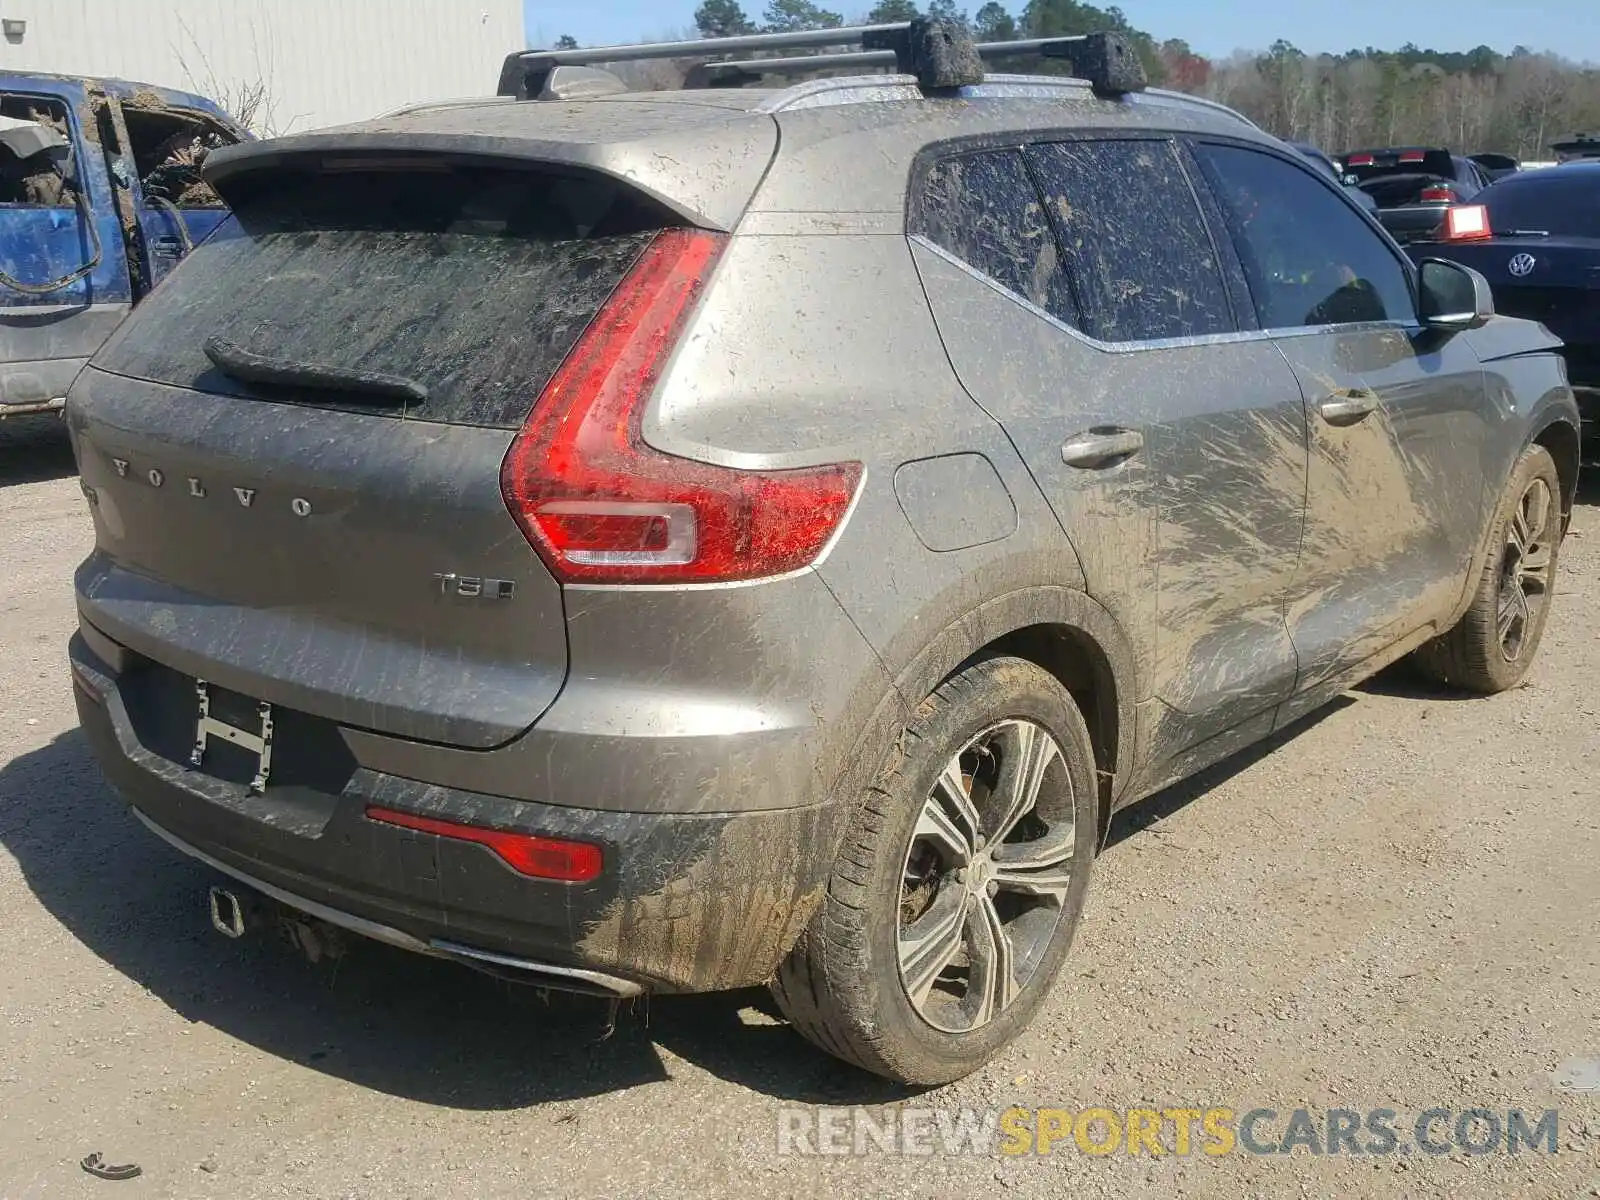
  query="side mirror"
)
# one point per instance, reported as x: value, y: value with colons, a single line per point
x: 1454, y: 296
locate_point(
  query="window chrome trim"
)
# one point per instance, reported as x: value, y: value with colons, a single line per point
x: 1135, y: 347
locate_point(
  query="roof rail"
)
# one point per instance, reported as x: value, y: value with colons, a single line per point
x: 940, y: 54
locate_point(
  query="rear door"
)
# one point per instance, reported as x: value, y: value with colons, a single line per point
x: 314, y: 542
x: 1220, y: 414
x: 1399, y: 416
x: 63, y: 271
x: 1172, y: 448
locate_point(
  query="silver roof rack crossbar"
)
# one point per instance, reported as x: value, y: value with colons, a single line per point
x: 940, y: 54
x: 1107, y: 61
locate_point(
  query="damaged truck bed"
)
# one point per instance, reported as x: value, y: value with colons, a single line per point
x: 100, y: 196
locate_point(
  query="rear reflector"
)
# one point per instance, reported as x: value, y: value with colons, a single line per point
x: 1467, y: 223
x: 1436, y: 195
x: 602, y: 506
x: 539, y: 857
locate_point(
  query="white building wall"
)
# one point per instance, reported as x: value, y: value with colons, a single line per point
x: 320, y: 62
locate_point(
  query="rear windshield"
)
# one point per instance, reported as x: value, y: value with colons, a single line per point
x: 1397, y: 191
x: 1546, y: 202
x: 467, y: 285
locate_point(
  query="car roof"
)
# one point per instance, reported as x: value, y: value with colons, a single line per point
x: 704, y: 152
x: 126, y: 89
x: 1560, y: 171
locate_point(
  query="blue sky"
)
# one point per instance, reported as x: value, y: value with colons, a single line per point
x: 1214, y: 27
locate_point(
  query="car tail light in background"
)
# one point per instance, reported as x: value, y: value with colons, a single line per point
x: 599, y: 505
x: 1437, y: 195
x: 1360, y: 160
x: 1467, y: 223
x: 1413, y: 156
x: 526, y: 853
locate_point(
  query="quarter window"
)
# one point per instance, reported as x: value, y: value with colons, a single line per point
x: 984, y: 209
x: 1309, y: 257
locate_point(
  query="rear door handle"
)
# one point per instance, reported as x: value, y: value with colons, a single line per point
x: 1101, y: 448
x: 1348, y: 405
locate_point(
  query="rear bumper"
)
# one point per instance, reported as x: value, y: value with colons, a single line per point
x: 699, y: 902
x: 530, y: 971
x: 23, y: 409
x: 27, y: 387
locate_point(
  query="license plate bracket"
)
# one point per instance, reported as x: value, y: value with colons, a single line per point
x: 258, y: 742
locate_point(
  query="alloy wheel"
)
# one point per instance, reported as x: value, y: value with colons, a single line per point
x: 986, y: 876
x: 1525, y: 581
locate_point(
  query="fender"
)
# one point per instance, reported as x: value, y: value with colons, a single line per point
x: 957, y: 643
x: 1555, y: 407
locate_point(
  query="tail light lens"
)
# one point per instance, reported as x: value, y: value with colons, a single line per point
x: 1437, y: 195
x: 599, y: 505
x: 1413, y: 156
x: 1467, y: 223
x: 526, y: 853
x: 1360, y: 160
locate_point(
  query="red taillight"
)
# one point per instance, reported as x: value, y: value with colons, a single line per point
x: 1436, y: 195
x: 599, y: 505
x: 1413, y: 156
x: 1360, y: 160
x: 1467, y: 223
x: 540, y: 857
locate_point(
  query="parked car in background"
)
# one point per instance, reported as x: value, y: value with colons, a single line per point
x: 1412, y: 186
x: 719, y: 538
x: 1580, y: 147
x: 1325, y: 163
x: 1536, y: 237
x: 100, y: 196
x: 1497, y: 166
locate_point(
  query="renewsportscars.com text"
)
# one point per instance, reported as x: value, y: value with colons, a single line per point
x: 1179, y: 1130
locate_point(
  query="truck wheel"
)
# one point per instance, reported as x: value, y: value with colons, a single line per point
x: 1492, y: 648
x: 957, y: 890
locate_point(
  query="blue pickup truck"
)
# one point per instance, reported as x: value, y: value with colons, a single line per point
x: 100, y: 195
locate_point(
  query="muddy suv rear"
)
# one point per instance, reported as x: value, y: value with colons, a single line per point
x: 341, y: 466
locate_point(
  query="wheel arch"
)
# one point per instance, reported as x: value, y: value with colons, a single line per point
x: 1565, y: 444
x: 1067, y: 634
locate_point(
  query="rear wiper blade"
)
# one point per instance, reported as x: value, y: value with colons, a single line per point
x: 375, y: 387
x: 1522, y: 233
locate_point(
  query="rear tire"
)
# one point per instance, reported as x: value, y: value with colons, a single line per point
x: 949, y: 912
x: 1492, y: 648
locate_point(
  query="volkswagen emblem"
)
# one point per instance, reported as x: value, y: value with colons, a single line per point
x: 1522, y: 265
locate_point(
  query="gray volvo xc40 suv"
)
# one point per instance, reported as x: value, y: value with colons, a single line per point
x: 683, y: 541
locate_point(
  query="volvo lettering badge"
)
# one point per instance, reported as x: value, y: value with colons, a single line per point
x: 300, y: 506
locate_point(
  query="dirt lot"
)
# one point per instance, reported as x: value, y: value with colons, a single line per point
x: 1395, y: 907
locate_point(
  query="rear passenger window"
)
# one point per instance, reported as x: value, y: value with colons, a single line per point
x: 1136, y: 244
x: 1310, y: 257
x: 984, y: 209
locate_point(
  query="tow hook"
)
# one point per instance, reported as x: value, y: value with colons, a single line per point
x: 227, y: 914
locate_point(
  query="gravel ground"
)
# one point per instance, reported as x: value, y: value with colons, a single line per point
x: 1394, y: 907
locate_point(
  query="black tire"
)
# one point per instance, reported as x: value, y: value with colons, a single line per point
x: 1481, y: 654
x: 843, y: 985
